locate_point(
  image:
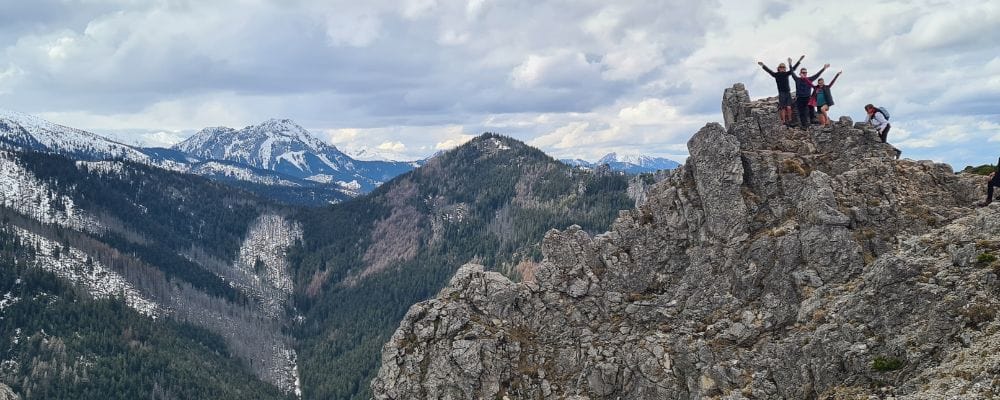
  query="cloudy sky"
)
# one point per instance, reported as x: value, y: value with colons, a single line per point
x: 575, y: 78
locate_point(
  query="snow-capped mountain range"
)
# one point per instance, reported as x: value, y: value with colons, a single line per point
x: 628, y: 163
x: 25, y: 131
x: 369, y: 154
x: 285, y: 147
x: 275, y: 153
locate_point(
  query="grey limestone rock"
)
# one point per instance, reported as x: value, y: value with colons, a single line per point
x: 775, y: 264
x: 6, y: 393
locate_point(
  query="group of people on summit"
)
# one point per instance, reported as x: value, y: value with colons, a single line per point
x: 810, y: 97
x: 812, y: 94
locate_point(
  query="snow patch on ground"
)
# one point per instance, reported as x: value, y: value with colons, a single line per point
x: 321, y: 178
x: 102, y: 167
x: 262, y: 264
x: 500, y: 145
x: 27, y: 195
x: 296, y: 158
x: 9, y: 300
x: 213, y: 168
x: 265, y: 151
x: 293, y: 361
x: 75, y: 266
x: 332, y: 164
x: 268, y: 241
x: 352, y: 185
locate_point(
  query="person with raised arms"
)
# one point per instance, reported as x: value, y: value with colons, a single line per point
x: 803, y: 94
x: 824, y: 98
x: 784, y: 90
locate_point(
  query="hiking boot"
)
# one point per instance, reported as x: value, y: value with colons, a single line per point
x: 983, y: 204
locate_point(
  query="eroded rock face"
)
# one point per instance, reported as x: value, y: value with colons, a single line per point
x: 776, y: 263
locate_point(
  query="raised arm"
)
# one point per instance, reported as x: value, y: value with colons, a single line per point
x: 835, y: 78
x: 796, y: 66
x: 825, y: 66
x: 766, y: 69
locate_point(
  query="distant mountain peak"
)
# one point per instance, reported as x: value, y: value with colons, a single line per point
x: 608, y: 158
x: 630, y: 163
x: 365, y: 153
x: 283, y: 146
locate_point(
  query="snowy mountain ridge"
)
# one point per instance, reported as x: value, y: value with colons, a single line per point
x: 27, y: 131
x: 630, y: 163
x: 262, y: 158
x: 636, y: 159
x: 282, y: 146
x: 261, y: 145
x: 365, y: 153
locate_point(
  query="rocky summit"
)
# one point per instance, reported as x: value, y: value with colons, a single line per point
x: 775, y: 264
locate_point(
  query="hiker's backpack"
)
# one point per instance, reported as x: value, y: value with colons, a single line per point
x: 883, y: 111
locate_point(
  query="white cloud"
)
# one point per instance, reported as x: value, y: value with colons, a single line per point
x: 357, y: 30
x: 450, y: 136
x: 563, y: 137
x: 578, y: 79
x: 9, y: 77
x: 560, y: 69
x: 648, y: 112
x: 474, y: 9
x: 169, y: 115
x: 948, y: 27
x: 343, y: 136
x: 414, y: 9
x: 394, y: 147
x: 638, y: 54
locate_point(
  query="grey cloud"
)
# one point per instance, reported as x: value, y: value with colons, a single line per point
x: 380, y: 66
x: 285, y: 50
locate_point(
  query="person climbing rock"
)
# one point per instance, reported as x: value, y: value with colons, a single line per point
x: 784, y: 90
x: 824, y: 98
x: 992, y: 181
x: 879, y: 118
x: 803, y: 93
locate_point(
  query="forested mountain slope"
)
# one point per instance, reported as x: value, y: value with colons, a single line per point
x: 59, y: 342
x: 364, y: 262
x: 261, y: 280
x: 170, y: 244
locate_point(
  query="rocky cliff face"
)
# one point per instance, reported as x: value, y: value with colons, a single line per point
x: 775, y: 263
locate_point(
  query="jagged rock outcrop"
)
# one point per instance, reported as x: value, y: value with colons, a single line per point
x: 776, y: 263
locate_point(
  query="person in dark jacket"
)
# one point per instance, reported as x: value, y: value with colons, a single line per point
x: 803, y: 93
x: 992, y: 181
x: 824, y: 98
x: 784, y: 91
